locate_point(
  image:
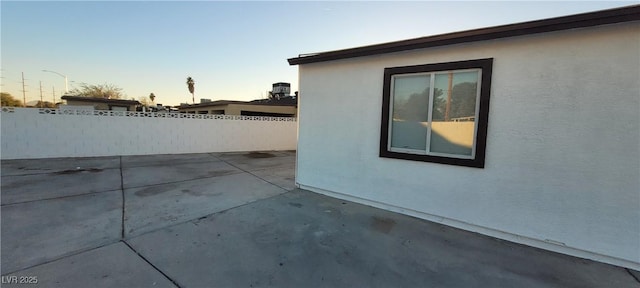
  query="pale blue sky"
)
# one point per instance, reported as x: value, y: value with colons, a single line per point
x: 233, y: 50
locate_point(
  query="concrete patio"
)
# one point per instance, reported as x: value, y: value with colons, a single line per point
x: 237, y: 220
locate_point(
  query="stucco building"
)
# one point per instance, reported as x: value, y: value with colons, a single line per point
x: 101, y: 103
x: 276, y: 107
x: 528, y: 132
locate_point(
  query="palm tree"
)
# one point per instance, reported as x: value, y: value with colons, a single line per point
x: 152, y: 97
x: 190, y: 84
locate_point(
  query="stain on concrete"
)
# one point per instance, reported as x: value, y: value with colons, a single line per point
x: 406, y: 243
x: 77, y: 170
x: 383, y: 225
x: 217, y: 173
x: 259, y: 155
x: 191, y: 192
x: 32, y: 169
x: 155, y: 190
x: 297, y: 205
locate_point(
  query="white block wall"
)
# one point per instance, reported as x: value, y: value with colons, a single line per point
x: 32, y: 133
x: 563, y: 146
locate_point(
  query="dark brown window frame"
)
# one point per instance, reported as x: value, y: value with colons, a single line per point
x: 486, y: 66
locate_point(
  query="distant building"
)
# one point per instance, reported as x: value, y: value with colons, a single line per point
x: 101, y: 103
x: 279, y: 104
x: 157, y: 108
x: 283, y: 107
x: 280, y: 90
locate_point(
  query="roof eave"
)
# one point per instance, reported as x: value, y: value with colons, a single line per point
x: 99, y: 100
x: 611, y: 16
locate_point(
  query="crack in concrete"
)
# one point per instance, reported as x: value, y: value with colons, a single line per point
x: 197, y: 220
x: 74, y: 253
x: 186, y: 180
x: 151, y: 264
x: 122, y: 234
x: 123, y: 202
x: 58, y: 197
x: 632, y: 275
x: 77, y: 170
x: 189, y: 161
x: 254, y: 175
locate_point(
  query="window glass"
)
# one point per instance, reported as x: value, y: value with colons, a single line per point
x: 437, y: 112
x: 410, y: 112
x: 453, y: 113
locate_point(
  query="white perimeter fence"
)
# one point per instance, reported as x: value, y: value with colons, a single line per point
x: 49, y: 133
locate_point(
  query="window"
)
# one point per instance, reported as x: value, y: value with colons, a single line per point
x: 437, y: 112
x: 118, y: 108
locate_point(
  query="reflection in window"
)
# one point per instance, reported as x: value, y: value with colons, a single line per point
x: 454, y: 110
x: 437, y: 112
x: 409, y: 124
x: 449, y: 127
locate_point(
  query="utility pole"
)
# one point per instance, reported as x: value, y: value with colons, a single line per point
x: 24, y: 95
x: 54, y: 94
x: 447, y: 111
x: 41, y: 100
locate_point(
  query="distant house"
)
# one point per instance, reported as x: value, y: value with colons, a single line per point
x: 280, y: 89
x: 528, y: 132
x: 277, y: 107
x: 101, y: 103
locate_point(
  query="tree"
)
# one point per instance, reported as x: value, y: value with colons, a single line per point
x: 45, y: 104
x: 9, y: 101
x: 190, y: 85
x: 144, y: 101
x: 414, y: 109
x: 148, y: 102
x: 463, y: 100
x: 107, y: 91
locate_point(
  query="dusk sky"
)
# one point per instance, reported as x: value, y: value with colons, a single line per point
x: 233, y: 50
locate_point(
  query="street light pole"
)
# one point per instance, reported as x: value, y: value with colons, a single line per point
x: 66, y: 85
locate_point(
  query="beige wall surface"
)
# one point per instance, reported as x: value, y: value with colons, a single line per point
x: 235, y: 109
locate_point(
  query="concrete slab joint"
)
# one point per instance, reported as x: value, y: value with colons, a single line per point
x: 237, y: 220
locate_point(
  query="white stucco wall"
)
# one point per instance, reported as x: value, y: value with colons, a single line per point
x: 563, y: 146
x: 26, y: 133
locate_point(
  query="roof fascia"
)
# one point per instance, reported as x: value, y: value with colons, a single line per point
x: 610, y: 16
